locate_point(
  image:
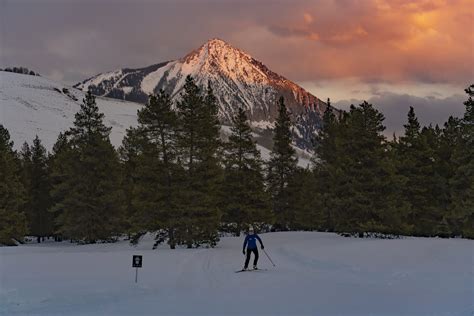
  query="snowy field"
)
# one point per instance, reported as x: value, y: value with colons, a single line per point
x: 316, y: 274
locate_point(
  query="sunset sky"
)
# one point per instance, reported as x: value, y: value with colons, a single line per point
x: 395, y: 53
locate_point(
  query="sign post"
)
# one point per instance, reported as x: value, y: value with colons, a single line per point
x: 137, y: 262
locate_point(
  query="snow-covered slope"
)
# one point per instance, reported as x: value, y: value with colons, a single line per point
x: 32, y: 105
x: 315, y: 274
x: 237, y: 78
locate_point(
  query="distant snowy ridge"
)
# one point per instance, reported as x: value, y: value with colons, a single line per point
x: 237, y: 78
x: 32, y: 105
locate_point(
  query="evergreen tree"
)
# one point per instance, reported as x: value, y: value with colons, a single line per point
x: 281, y: 168
x: 13, y: 225
x: 417, y: 158
x: 156, y: 186
x: 324, y: 164
x: 25, y: 157
x: 198, y: 146
x: 449, y: 140
x: 364, y: 196
x: 244, y: 197
x: 25, y: 170
x: 462, y: 183
x: 59, y: 171
x: 37, y: 185
x: 325, y: 140
x: 89, y: 192
x: 306, y: 201
x: 130, y: 154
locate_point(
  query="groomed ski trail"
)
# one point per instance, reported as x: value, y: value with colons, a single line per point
x: 316, y: 274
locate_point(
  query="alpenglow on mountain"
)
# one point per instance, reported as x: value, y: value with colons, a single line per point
x: 238, y: 80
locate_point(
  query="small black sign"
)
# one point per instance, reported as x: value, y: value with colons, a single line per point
x: 137, y: 261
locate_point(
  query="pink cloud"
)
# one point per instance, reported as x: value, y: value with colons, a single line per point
x: 392, y: 40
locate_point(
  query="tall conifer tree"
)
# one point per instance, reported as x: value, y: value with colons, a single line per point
x: 324, y: 164
x: 416, y: 153
x: 366, y: 199
x: 37, y: 185
x: 156, y: 172
x: 130, y: 154
x: 90, y: 197
x: 13, y: 226
x: 244, y: 198
x: 198, y: 145
x: 462, y: 183
x: 281, y: 168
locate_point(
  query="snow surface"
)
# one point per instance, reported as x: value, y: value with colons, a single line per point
x: 263, y: 124
x: 30, y: 106
x: 315, y: 274
x: 151, y: 80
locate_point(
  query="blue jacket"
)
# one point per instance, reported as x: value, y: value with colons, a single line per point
x: 251, y: 241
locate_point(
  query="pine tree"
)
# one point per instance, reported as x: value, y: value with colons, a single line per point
x: 449, y: 141
x: 88, y: 194
x: 130, y: 154
x: 244, y: 197
x: 198, y: 145
x: 364, y: 195
x: 13, y: 226
x: 324, y: 165
x: 37, y: 185
x: 281, y: 168
x: 462, y: 183
x: 59, y: 170
x: 25, y: 170
x: 306, y: 201
x: 155, y: 195
x: 417, y: 158
x: 325, y: 140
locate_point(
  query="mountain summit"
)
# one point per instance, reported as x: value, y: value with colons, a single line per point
x: 237, y: 78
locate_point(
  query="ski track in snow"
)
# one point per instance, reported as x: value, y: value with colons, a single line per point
x: 316, y: 274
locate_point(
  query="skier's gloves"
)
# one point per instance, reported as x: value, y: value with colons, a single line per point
x: 243, y: 251
x: 263, y: 247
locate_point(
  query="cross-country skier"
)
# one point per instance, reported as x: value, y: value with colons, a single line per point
x: 251, y: 244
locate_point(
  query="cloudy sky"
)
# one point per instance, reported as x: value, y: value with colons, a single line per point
x: 394, y: 53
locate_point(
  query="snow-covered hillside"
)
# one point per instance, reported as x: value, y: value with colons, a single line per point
x: 237, y: 78
x: 31, y: 105
x: 315, y: 274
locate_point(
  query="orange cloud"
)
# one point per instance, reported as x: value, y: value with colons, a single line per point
x: 390, y: 40
x: 308, y: 18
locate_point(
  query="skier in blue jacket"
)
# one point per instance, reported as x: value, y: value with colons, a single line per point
x: 251, y: 243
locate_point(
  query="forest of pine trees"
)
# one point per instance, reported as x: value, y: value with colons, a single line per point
x: 175, y: 177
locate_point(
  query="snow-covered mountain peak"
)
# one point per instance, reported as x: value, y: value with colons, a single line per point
x: 238, y: 80
x: 217, y: 50
x: 218, y: 58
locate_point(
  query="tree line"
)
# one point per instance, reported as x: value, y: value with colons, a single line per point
x: 173, y: 176
x: 21, y: 70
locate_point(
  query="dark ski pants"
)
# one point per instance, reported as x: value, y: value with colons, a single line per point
x: 255, y: 260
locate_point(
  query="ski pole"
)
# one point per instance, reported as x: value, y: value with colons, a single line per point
x: 269, y: 257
